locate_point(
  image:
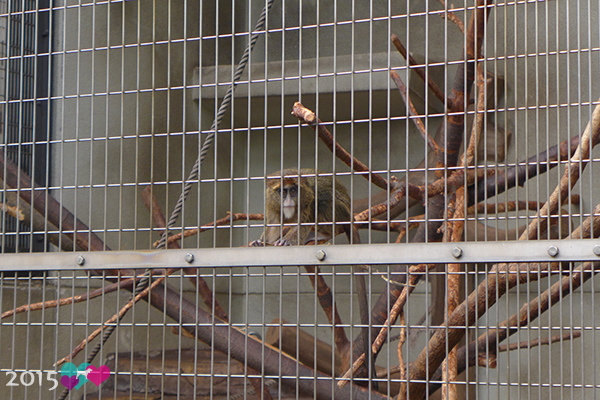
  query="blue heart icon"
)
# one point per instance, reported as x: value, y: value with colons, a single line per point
x: 69, y: 369
x: 82, y: 376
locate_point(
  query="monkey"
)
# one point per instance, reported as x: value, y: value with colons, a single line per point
x: 293, y: 197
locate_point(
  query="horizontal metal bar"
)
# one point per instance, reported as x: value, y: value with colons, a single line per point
x: 414, y: 253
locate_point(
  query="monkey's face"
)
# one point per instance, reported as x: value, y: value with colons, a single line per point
x: 289, y: 200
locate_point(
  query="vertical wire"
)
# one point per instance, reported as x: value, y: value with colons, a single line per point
x: 280, y: 313
x: 591, y: 202
x: 580, y: 127
x: 184, y: 86
x: 91, y: 116
x: 122, y: 228
x: 91, y: 135
x: 281, y: 131
x: 216, y: 104
x: 184, y: 63
x: 318, y: 110
x: 405, y: 113
x: 138, y: 221
x: 388, y: 138
x: 121, y: 141
x: 20, y: 115
x: 352, y: 134
x: 370, y: 359
x: 13, y: 347
x: 150, y: 167
x: 232, y: 125
x: 49, y: 130
x: 248, y: 270
x: 297, y: 322
x: 517, y: 92
x: 245, y: 275
x: 301, y: 29
x: 334, y: 130
x: 5, y: 104
x: 248, y: 174
x: 539, y: 282
x: 33, y: 98
x: 60, y: 142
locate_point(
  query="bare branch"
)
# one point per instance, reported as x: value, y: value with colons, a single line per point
x: 413, y: 64
x: 453, y: 17
x: 308, y: 117
x: 413, y: 113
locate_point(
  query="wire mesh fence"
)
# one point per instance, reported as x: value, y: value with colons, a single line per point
x: 299, y: 199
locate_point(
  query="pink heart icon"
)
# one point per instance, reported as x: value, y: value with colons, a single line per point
x: 69, y: 381
x: 98, y: 375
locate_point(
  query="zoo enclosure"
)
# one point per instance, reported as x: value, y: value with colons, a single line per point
x: 106, y: 105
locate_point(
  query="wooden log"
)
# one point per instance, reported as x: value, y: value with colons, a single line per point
x: 286, y: 338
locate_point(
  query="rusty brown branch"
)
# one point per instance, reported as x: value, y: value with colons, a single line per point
x: 151, y: 204
x: 414, y: 65
x: 12, y: 211
x: 509, y: 206
x: 468, y: 156
x: 414, y: 192
x: 231, y: 217
x: 401, y: 341
x: 54, y: 213
x: 540, y: 341
x: 111, y: 320
x: 450, y: 366
x: 573, y: 170
x: 246, y: 349
x: 453, y: 17
x: 412, y: 112
x: 204, y: 290
x: 501, y: 278
x: 326, y: 301
x: 478, y: 352
x: 415, y: 273
x: 308, y: 117
x: 125, y: 283
x: 462, y: 86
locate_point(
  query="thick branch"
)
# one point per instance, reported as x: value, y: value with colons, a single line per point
x: 326, y: 301
x: 523, y: 171
x: 159, y: 222
x: 230, y: 340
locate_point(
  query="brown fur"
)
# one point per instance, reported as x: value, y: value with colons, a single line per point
x: 315, y: 193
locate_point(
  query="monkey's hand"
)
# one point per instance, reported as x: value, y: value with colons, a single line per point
x: 257, y: 243
x: 282, y: 242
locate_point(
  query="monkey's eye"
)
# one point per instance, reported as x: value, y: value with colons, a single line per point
x: 293, y: 191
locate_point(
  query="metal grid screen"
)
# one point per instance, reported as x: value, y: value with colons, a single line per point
x: 299, y: 199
